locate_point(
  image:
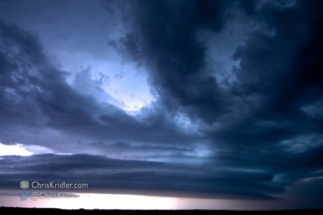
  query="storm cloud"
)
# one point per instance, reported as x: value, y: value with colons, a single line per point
x: 237, y: 87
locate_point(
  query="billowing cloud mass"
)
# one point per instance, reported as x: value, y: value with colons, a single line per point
x: 235, y: 105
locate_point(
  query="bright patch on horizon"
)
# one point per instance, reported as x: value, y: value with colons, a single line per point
x: 92, y: 201
x: 107, y: 201
x: 17, y: 149
x: 23, y: 150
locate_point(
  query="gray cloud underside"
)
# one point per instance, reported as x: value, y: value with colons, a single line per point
x: 106, y: 174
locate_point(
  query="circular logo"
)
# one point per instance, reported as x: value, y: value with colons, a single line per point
x: 24, y: 184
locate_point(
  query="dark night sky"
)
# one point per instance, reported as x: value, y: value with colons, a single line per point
x: 219, y: 99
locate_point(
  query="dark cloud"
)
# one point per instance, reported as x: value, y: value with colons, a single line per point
x: 130, y: 176
x: 270, y: 82
x: 272, y: 111
x: 275, y: 79
x: 251, y: 139
x: 248, y: 6
x: 35, y: 98
x: 163, y: 36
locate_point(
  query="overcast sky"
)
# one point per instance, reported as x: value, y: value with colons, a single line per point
x: 219, y: 100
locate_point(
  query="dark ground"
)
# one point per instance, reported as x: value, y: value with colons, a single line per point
x: 23, y: 211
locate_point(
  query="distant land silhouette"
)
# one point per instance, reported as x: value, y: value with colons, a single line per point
x: 11, y: 210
